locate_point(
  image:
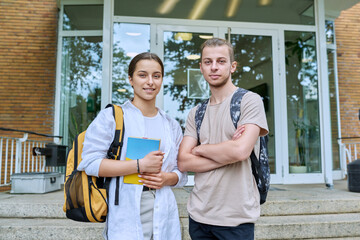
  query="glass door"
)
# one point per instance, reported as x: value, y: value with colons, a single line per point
x: 286, y: 82
x: 183, y: 87
x: 303, y: 114
x: 256, y: 53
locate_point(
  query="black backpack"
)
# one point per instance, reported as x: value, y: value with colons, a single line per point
x: 260, y: 167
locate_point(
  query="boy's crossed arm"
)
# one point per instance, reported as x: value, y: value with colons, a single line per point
x: 207, y: 157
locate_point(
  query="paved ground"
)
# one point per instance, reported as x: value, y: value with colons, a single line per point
x: 311, y: 191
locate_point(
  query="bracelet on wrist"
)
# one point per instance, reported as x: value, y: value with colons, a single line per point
x: 137, y: 165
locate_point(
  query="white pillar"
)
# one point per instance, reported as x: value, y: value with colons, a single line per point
x: 106, y: 87
x: 324, y: 98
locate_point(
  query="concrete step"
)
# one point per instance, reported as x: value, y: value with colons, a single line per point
x: 328, y: 226
x: 291, y: 212
x: 48, y: 229
x: 49, y: 205
x: 309, y: 226
x: 283, y: 202
x: 305, y: 207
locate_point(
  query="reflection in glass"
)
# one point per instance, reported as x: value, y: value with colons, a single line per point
x: 181, y: 53
x: 302, y: 102
x: 253, y: 54
x: 129, y: 40
x: 83, y: 17
x: 333, y: 109
x: 81, y: 74
x: 197, y: 86
x: 329, y: 31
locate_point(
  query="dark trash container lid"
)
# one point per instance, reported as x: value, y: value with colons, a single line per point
x: 354, y: 165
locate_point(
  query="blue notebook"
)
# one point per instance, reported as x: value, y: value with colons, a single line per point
x: 138, y: 148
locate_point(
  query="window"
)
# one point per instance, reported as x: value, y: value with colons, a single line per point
x: 129, y: 40
x: 83, y: 17
x: 302, y: 102
x: 81, y: 68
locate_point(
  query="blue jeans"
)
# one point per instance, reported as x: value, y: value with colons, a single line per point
x: 201, y: 231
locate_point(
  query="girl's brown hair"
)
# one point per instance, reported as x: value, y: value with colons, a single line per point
x: 144, y: 56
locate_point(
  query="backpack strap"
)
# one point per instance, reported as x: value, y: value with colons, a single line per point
x: 115, y: 147
x: 199, y: 116
x: 234, y: 110
x: 114, y: 151
x: 235, y: 116
x: 255, y: 164
x: 235, y: 105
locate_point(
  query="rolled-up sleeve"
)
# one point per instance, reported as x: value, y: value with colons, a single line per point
x: 182, y: 176
x: 98, y: 138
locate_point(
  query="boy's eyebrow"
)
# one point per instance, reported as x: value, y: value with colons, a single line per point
x: 216, y: 58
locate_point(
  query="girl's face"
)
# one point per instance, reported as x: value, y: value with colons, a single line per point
x: 146, y: 80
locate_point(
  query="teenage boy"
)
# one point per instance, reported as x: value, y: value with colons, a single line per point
x: 224, y: 203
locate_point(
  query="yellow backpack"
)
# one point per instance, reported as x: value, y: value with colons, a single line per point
x: 85, y: 196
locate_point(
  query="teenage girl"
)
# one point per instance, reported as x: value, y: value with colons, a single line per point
x: 147, y: 211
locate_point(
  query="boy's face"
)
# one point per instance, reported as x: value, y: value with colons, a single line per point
x: 216, y: 66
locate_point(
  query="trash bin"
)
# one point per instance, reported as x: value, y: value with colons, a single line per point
x: 353, y: 170
x: 55, y: 155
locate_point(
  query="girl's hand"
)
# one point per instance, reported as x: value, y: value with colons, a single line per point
x: 239, y: 131
x: 159, y: 180
x: 152, y: 162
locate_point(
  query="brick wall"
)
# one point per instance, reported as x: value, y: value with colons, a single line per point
x: 28, y: 41
x: 28, y: 38
x: 347, y: 27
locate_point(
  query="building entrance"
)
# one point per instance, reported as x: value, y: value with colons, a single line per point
x: 279, y: 65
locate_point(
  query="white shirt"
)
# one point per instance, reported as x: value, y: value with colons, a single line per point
x: 154, y: 128
x: 123, y: 220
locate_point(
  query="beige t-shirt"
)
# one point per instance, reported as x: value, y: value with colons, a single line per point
x: 226, y: 196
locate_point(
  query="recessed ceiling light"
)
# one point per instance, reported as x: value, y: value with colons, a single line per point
x: 232, y: 8
x: 133, y: 34
x: 167, y: 6
x: 193, y: 57
x: 264, y: 2
x: 206, y: 36
x: 199, y: 9
x: 131, y: 54
x: 183, y: 36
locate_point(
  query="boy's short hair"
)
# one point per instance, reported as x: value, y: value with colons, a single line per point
x: 218, y: 42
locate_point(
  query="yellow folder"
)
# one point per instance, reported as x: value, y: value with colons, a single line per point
x: 138, y: 148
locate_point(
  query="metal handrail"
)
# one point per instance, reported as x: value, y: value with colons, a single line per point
x: 16, y: 156
x: 340, y: 138
x: 349, y: 152
x: 30, y: 132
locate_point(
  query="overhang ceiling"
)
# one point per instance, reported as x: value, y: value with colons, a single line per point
x: 333, y: 8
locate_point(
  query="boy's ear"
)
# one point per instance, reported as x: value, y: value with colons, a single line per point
x: 233, y: 66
